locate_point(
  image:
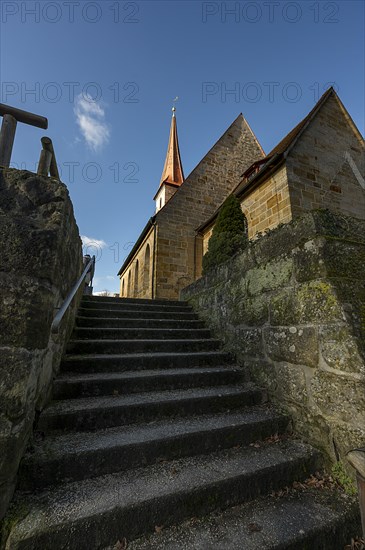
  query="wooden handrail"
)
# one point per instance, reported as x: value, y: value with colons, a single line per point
x: 11, y: 116
x: 24, y: 116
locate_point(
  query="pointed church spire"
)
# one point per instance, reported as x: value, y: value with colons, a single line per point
x: 173, y: 171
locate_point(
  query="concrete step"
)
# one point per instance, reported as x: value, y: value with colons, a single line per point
x: 138, y: 301
x: 97, y: 333
x: 71, y: 457
x: 133, y: 361
x: 124, y: 313
x: 319, y: 520
x: 68, y: 386
x: 141, y: 346
x: 98, y: 512
x: 97, y: 413
x: 115, y: 322
x: 136, y: 306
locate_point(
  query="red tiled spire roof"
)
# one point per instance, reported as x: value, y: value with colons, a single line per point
x: 173, y: 171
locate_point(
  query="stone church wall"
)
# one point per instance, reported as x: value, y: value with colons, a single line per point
x: 196, y: 200
x: 266, y: 207
x: 137, y: 279
x: 326, y: 166
x: 291, y: 308
x: 40, y: 260
x: 325, y: 169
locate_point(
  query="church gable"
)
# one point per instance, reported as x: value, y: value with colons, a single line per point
x: 325, y: 165
x: 318, y: 164
x: 216, y: 175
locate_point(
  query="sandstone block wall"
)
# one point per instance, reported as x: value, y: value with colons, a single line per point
x: 326, y: 167
x: 40, y: 260
x: 265, y: 207
x: 196, y: 200
x: 292, y: 309
x: 269, y: 204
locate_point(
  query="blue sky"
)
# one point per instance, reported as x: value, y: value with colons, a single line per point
x: 105, y: 74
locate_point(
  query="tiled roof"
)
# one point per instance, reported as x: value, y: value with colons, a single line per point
x: 289, y: 139
x: 274, y: 157
x: 285, y: 143
x: 173, y: 170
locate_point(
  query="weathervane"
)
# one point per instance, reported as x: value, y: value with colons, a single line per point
x: 173, y: 107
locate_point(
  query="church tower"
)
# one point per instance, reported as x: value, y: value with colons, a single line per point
x: 172, y: 175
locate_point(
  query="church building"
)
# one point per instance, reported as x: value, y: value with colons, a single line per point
x: 319, y: 164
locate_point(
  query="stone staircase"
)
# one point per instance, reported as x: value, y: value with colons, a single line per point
x: 153, y: 425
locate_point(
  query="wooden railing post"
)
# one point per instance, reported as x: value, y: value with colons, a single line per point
x: 44, y: 163
x: 7, y: 136
x: 47, y: 160
x: 12, y: 115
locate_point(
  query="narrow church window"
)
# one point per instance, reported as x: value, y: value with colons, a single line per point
x: 146, y: 269
x: 136, y: 273
x: 122, y: 287
x: 129, y: 285
x: 160, y: 203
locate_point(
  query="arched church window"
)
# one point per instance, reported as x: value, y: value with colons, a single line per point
x: 147, y: 269
x: 129, y: 285
x: 136, y: 275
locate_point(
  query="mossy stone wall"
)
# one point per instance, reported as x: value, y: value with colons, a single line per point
x: 40, y: 260
x: 292, y: 309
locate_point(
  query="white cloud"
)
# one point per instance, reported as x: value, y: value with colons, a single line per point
x: 90, y: 117
x: 97, y: 243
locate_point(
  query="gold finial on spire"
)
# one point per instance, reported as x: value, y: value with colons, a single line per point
x: 173, y: 106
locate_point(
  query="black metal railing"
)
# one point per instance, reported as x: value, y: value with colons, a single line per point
x: 357, y: 460
x: 86, y: 279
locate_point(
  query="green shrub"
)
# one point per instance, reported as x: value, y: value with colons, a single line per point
x: 229, y: 234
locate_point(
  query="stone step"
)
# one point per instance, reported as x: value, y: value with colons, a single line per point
x: 97, y: 333
x: 319, y: 520
x: 71, y: 457
x: 137, y: 314
x: 141, y: 346
x: 68, y: 386
x: 97, y: 413
x: 98, y: 512
x: 133, y: 361
x: 114, y: 322
x: 108, y: 299
x: 136, y: 306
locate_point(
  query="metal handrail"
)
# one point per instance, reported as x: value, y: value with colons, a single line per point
x: 66, y: 304
x: 356, y: 458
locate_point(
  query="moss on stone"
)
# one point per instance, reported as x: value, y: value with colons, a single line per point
x: 317, y: 302
x: 308, y: 276
x: 269, y: 276
x: 15, y: 514
x: 339, y: 474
